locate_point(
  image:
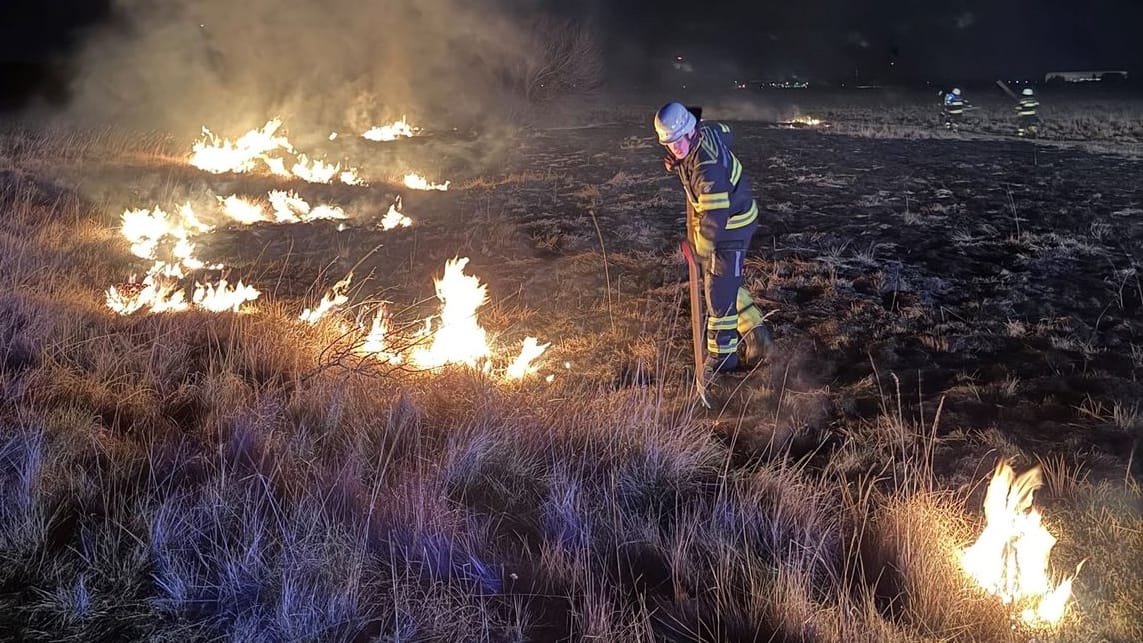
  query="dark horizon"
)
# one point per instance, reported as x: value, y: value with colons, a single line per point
x: 824, y: 41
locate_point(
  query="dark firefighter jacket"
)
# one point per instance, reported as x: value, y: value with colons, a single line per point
x: 954, y: 104
x: 717, y: 192
x: 1027, y: 106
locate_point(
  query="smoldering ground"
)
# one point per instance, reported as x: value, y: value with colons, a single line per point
x: 319, y: 65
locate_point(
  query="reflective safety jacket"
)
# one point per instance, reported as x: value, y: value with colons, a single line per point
x: 718, y: 194
x: 1027, y: 106
x: 954, y: 104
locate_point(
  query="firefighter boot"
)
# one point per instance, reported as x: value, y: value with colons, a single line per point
x: 720, y: 363
x: 756, y: 342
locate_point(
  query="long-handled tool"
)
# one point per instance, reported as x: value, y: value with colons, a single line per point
x: 696, y: 321
x: 1007, y: 90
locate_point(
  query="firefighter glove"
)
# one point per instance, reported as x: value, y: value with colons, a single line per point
x: 704, y: 247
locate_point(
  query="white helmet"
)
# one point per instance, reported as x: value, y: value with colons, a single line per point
x: 1027, y: 91
x: 673, y: 121
x: 956, y: 91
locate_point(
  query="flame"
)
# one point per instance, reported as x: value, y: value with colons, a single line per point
x: 523, y: 367
x: 325, y: 212
x: 222, y: 296
x: 376, y: 342
x: 458, y: 339
x: 414, y: 181
x: 288, y: 206
x: 395, y: 218
x: 391, y: 132
x: 1010, y: 558
x: 143, y: 229
x: 156, y: 292
x: 155, y: 232
x: 315, y: 171
x: 146, y: 229
x: 218, y: 155
x: 807, y: 120
x: 334, y: 297
x: 350, y: 176
x: 221, y: 155
x: 166, y: 240
x: 243, y: 210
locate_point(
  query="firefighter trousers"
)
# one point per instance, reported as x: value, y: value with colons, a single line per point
x: 731, y: 312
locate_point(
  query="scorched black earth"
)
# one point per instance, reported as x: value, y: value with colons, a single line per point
x: 998, y: 277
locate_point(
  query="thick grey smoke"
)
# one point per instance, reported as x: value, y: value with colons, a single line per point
x: 231, y: 65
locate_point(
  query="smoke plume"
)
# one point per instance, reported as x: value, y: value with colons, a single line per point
x: 319, y: 64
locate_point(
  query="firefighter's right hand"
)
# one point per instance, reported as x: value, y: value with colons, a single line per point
x: 670, y: 163
x: 703, y: 246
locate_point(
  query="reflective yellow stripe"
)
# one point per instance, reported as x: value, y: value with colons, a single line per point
x: 714, y: 201
x: 735, y: 170
x: 722, y: 323
x: 724, y: 127
x: 713, y: 205
x: 714, y: 347
x: 742, y: 220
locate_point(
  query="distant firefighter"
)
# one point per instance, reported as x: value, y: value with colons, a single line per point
x: 954, y: 106
x: 1029, y: 121
x: 721, y: 218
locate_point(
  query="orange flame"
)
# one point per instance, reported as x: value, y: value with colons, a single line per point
x: 522, y: 366
x: 376, y: 342
x: 458, y: 339
x: 395, y: 218
x: 1010, y: 558
x: 414, y: 181
x: 391, y: 132
x: 333, y: 298
x: 218, y: 155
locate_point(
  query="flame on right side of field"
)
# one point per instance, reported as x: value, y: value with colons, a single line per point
x: 1010, y: 558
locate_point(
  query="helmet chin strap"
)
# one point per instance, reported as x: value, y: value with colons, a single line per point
x: 692, y: 141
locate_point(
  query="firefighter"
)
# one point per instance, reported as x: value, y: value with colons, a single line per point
x: 1029, y: 122
x: 954, y: 105
x: 721, y: 218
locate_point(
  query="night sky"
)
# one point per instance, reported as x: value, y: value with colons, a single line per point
x: 923, y: 39
x: 907, y: 40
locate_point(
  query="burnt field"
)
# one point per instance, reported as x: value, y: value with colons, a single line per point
x: 938, y: 304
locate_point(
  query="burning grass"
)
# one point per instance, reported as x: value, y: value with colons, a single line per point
x: 197, y: 476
